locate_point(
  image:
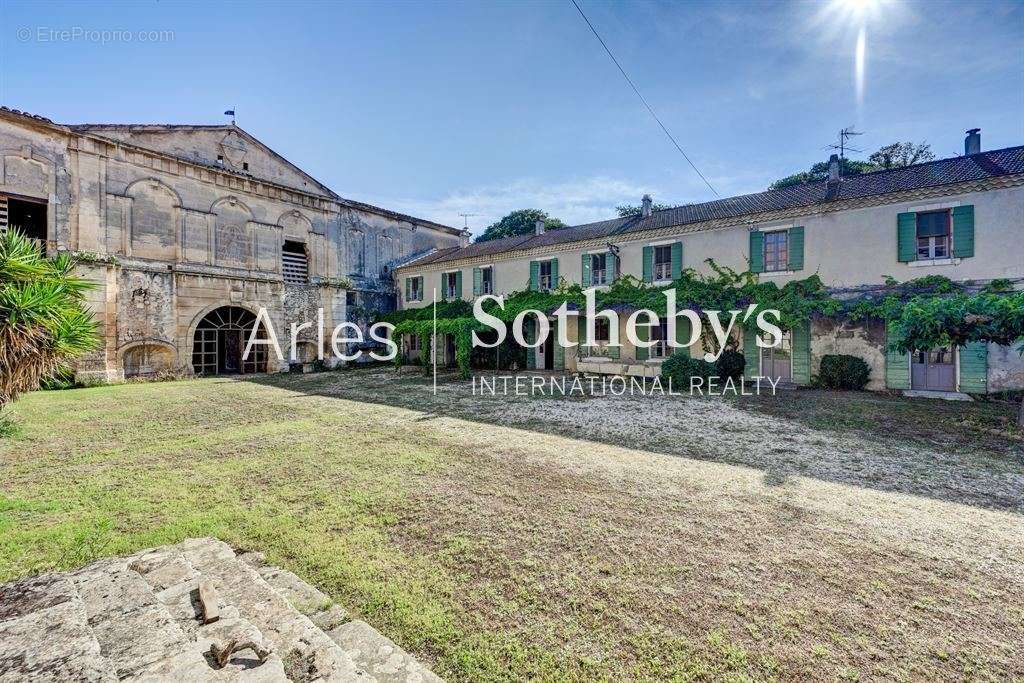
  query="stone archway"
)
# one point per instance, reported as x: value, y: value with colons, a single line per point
x: 148, y: 358
x: 219, y: 343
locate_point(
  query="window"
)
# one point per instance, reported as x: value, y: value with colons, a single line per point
x: 659, y: 334
x: 599, y: 269
x: 350, y: 299
x: 602, y: 330
x: 449, y: 280
x: 220, y: 159
x: 487, y: 280
x: 545, y: 276
x: 663, y: 262
x: 933, y: 235
x: 776, y: 250
x: 294, y: 263
x: 29, y: 217
x: 414, y: 341
x: 416, y: 289
x: 245, y: 165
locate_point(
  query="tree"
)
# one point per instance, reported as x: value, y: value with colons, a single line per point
x: 521, y: 222
x: 633, y: 210
x: 891, y: 156
x: 43, y: 319
x: 927, y: 322
x: 902, y: 154
x: 819, y: 172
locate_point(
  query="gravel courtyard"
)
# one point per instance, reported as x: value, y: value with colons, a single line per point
x: 807, y: 535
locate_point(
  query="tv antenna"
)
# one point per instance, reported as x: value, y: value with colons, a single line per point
x: 465, y: 219
x: 844, y: 135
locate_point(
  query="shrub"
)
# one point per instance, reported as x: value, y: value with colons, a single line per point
x: 680, y: 367
x: 843, y: 372
x: 731, y: 364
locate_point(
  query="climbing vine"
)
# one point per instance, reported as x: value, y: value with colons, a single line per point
x: 724, y: 289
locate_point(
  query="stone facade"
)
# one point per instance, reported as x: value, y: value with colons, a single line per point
x: 176, y: 222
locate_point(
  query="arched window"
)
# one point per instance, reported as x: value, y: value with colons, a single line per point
x: 220, y: 340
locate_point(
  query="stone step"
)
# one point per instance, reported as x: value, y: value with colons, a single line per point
x: 371, y: 650
x: 144, y: 618
x: 45, y: 634
x: 307, y: 652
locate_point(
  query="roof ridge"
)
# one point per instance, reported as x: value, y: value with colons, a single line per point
x: 816, y: 183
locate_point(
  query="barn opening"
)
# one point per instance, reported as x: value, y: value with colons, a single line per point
x: 220, y: 341
x: 27, y: 215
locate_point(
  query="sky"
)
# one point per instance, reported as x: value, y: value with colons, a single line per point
x: 442, y: 108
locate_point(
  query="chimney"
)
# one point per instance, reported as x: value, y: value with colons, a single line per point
x: 538, y: 227
x: 646, y: 206
x: 972, y: 143
x: 833, y: 168
x: 464, y: 238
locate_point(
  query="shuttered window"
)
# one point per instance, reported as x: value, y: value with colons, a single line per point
x: 294, y: 263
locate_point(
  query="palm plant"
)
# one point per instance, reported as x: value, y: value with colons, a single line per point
x: 43, y: 319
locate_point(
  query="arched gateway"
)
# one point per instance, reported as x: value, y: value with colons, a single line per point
x: 220, y: 342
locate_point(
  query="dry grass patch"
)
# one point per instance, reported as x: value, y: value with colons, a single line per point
x: 596, y: 538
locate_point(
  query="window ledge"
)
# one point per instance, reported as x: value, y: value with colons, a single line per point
x: 662, y: 282
x: 777, y: 273
x: 934, y: 262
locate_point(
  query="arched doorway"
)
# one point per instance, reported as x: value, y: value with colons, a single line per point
x: 220, y: 342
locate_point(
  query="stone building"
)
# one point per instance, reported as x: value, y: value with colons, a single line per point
x: 961, y: 217
x: 187, y: 230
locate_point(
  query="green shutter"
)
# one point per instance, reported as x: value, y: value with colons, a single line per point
x: 586, y: 270
x: 897, y: 368
x: 444, y: 290
x: 535, y: 275
x: 614, y: 352
x: 677, y: 260
x: 963, y: 231
x: 802, y: 353
x: 751, y: 353
x: 478, y: 282
x: 974, y: 368
x: 554, y: 273
x: 558, y: 351
x: 648, y: 264
x: 612, y: 264
x: 642, y: 334
x: 458, y: 285
x: 531, y: 353
x: 796, y: 248
x: 408, y: 289
x: 423, y: 291
x: 906, y: 237
x: 683, y: 334
x: 756, y: 251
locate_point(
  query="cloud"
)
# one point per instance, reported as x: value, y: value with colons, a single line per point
x: 575, y: 201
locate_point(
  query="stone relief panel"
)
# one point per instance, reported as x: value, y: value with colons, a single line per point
x: 268, y: 248
x: 144, y: 307
x: 231, y: 233
x: 154, y: 221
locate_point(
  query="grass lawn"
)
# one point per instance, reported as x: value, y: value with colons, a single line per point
x: 807, y: 536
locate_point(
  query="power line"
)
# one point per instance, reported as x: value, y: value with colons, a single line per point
x: 649, y: 108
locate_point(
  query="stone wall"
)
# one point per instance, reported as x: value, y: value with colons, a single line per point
x: 173, y: 233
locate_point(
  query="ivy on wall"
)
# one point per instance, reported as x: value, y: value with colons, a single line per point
x: 723, y: 290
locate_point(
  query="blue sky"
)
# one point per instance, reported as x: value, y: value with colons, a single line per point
x: 439, y: 108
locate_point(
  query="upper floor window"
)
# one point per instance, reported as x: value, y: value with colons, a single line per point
x: 933, y: 238
x: 450, y: 283
x: 415, y: 289
x: 599, y: 269
x: 294, y: 262
x: 28, y: 216
x: 602, y: 329
x: 663, y: 262
x: 776, y: 250
x: 546, y: 280
x: 487, y: 280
